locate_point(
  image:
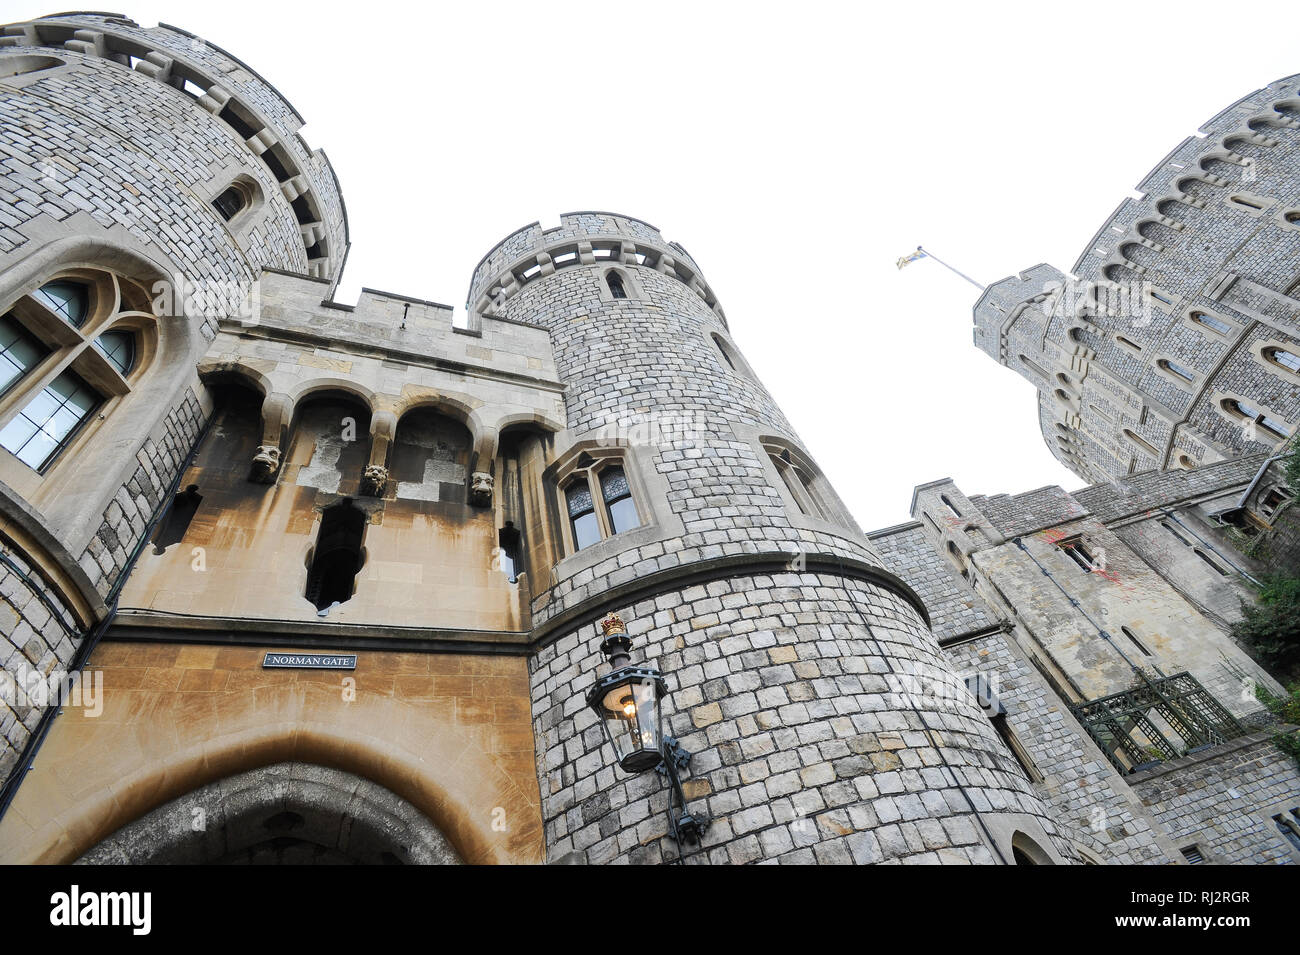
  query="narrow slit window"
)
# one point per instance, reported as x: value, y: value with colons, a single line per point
x: 1214, y: 565
x: 1127, y: 343
x: 615, y: 282
x: 1135, y: 641
x: 1178, y: 370
x: 174, y: 526
x: 948, y: 504
x: 511, y: 543
x: 1078, y: 552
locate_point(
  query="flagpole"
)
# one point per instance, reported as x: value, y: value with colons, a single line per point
x: 931, y: 255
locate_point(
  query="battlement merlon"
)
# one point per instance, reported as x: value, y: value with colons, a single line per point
x: 581, y: 238
x: 1000, y: 304
x: 394, y: 328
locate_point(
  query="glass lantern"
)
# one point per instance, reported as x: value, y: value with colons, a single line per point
x: 627, y: 702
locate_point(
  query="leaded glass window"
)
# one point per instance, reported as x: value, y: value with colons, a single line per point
x: 19, y: 352
x: 50, y: 420
x: 69, y: 300
x: 118, y: 348
x: 618, y: 500
x: 582, y: 514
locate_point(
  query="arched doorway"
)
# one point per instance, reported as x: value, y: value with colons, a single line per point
x: 283, y: 814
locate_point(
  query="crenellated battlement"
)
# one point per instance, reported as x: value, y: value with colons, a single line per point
x: 230, y: 90
x: 582, y: 238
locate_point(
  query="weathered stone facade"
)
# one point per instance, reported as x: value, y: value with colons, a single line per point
x: 1175, y: 340
x: 435, y: 517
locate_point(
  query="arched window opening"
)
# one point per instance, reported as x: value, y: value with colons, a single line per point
x: 947, y: 502
x: 337, y: 557
x: 230, y: 202
x: 68, y: 300
x: 1128, y: 343
x: 119, y: 348
x: 20, y: 352
x: 615, y: 283
x: 1135, y: 641
x: 1177, y: 370
x: 1290, y: 828
x: 173, y: 527
x: 1250, y: 413
x: 1216, y: 325
x: 1287, y: 359
x: 599, y: 497
x: 582, y: 513
x: 618, y: 500
x: 1025, y: 851
x: 49, y: 422
x: 724, y: 352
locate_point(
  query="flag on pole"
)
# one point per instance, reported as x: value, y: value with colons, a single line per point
x: 908, y: 259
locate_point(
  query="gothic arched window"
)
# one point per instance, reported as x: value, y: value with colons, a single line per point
x: 615, y: 282
x: 72, y: 326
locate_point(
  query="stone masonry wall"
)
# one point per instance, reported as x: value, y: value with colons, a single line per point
x: 1224, y: 804
x: 38, y: 634
x: 787, y: 690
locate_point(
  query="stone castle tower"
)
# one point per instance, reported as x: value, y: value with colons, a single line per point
x: 210, y: 466
x: 1175, y: 340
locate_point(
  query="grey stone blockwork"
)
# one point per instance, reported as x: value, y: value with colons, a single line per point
x: 1224, y: 804
x: 126, y: 519
x: 805, y: 699
x: 38, y: 634
x: 1216, y: 231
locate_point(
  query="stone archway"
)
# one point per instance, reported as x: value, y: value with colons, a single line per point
x: 283, y: 814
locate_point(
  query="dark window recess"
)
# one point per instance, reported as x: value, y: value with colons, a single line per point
x: 511, y: 543
x: 1079, y: 554
x: 273, y: 163
x: 174, y: 526
x: 316, y: 251
x: 237, y: 123
x: 302, y: 210
x: 337, y: 557
x: 1136, y: 642
x: 1192, y: 855
x: 1021, y: 857
x: 615, y: 282
x: 229, y: 203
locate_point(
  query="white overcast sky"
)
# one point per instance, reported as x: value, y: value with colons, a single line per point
x: 796, y: 149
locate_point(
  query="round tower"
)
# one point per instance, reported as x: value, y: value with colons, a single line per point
x: 824, y: 723
x: 149, y: 180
